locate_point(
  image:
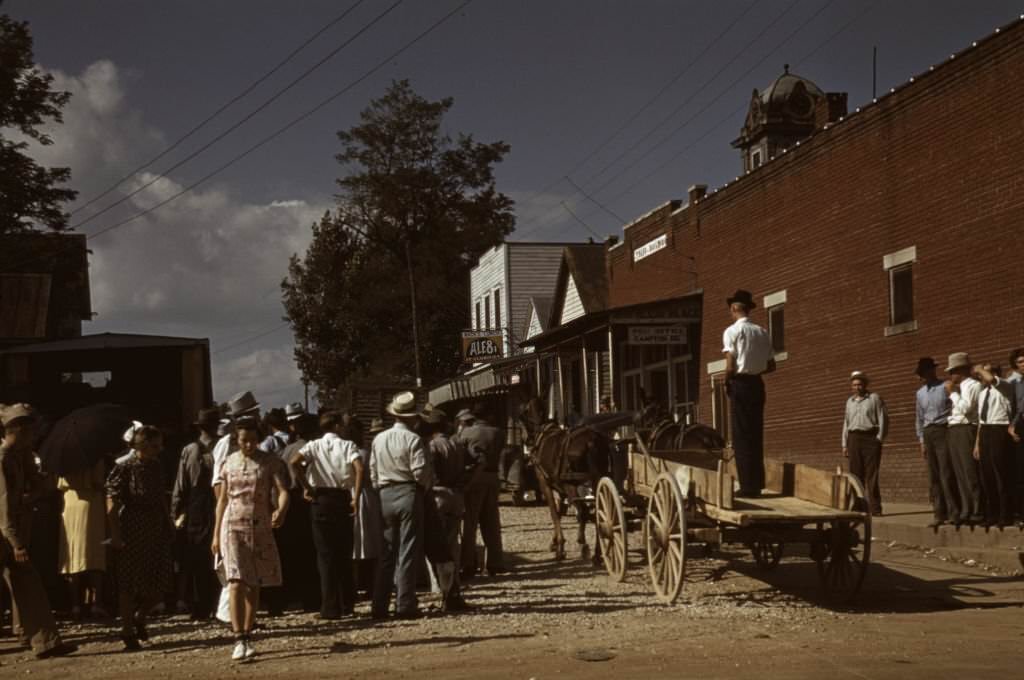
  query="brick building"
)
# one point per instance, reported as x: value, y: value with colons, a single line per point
x: 887, y: 233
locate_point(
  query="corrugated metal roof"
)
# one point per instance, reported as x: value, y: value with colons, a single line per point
x: 105, y: 341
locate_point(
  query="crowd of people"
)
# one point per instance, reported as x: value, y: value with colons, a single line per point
x: 264, y: 507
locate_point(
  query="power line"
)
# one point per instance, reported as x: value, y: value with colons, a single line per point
x: 256, y: 83
x: 650, y: 101
x: 288, y: 126
x: 672, y: 114
x: 593, y: 200
x: 277, y: 95
x: 577, y: 218
x: 262, y: 334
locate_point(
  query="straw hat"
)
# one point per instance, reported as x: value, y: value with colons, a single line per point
x: 403, y: 405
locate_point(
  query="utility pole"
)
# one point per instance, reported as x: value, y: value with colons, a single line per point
x: 874, y: 71
x: 415, y: 325
x: 305, y: 389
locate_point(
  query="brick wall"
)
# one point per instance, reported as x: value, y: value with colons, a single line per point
x: 936, y: 165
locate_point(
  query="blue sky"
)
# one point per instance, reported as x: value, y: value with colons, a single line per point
x: 633, y: 101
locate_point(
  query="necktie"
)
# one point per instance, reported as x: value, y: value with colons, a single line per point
x: 984, y: 405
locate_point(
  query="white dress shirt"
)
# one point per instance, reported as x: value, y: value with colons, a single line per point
x: 329, y: 462
x: 750, y: 344
x: 398, y: 456
x: 994, y: 404
x: 965, y: 403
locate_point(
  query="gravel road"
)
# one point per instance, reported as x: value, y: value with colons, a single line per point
x: 549, y: 618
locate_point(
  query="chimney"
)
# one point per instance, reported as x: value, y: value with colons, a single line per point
x: 696, y: 192
x: 829, y: 109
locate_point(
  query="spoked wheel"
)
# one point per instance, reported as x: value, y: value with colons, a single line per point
x: 766, y: 554
x: 611, y: 529
x: 849, y: 547
x: 666, y: 538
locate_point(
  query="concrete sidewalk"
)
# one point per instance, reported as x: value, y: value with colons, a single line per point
x: 907, y: 524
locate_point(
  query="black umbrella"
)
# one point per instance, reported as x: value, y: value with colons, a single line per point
x: 609, y: 421
x: 84, y: 436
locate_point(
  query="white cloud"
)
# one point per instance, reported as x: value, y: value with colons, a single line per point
x: 205, y: 265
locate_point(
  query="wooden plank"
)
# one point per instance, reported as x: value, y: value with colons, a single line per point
x: 779, y: 476
x: 814, y: 485
x: 776, y: 509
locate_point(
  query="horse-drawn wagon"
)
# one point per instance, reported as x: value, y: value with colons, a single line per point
x: 678, y: 489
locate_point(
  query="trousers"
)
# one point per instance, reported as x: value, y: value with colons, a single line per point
x: 482, y: 512
x: 331, y: 516
x: 401, y: 508
x: 865, y: 462
x: 200, y: 578
x: 996, y: 466
x: 944, y: 492
x: 29, y: 602
x: 746, y: 401
x: 960, y: 439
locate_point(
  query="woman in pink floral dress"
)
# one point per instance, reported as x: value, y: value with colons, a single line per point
x: 243, y: 535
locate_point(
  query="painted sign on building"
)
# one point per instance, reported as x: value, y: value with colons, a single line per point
x: 480, y: 346
x: 657, y: 335
x: 650, y: 248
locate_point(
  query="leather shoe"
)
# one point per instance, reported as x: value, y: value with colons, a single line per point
x: 63, y: 649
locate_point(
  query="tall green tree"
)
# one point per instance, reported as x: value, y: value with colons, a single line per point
x: 30, y: 194
x: 415, y: 210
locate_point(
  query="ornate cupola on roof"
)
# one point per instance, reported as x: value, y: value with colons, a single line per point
x: 790, y: 109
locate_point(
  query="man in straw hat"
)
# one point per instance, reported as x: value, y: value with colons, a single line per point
x: 30, y: 604
x: 865, y: 425
x: 932, y: 416
x: 400, y: 470
x: 748, y: 355
x: 962, y: 431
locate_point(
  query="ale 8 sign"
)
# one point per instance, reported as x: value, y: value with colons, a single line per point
x: 478, y: 346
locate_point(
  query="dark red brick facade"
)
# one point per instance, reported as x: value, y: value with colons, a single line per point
x: 937, y: 165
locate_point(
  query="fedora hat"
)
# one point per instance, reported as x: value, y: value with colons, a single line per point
x: 16, y: 412
x: 433, y: 415
x: 294, y: 411
x: 377, y: 426
x: 464, y: 414
x: 242, y: 403
x: 925, y: 364
x: 208, y: 417
x: 403, y: 405
x: 958, y: 360
x: 743, y: 296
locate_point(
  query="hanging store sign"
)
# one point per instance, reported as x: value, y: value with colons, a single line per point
x: 657, y: 335
x: 480, y: 346
x: 650, y: 248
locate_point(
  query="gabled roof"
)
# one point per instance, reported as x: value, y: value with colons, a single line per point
x: 585, y: 263
x: 541, y: 307
x: 106, y: 341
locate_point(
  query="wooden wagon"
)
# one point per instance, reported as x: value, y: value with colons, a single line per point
x: 683, y: 499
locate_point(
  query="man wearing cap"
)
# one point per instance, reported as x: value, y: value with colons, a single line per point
x: 482, y: 444
x: 192, y: 506
x: 37, y: 626
x: 748, y: 354
x: 932, y: 409
x: 962, y: 430
x: 865, y: 426
x: 276, y: 421
x: 331, y: 470
x: 400, y: 470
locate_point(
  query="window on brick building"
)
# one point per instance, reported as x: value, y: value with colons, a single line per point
x: 755, y: 160
x: 901, y: 295
x: 775, y: 304
x: 899, y: 268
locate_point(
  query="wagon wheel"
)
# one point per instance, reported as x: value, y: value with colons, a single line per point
x: 666, y: 538
x: 849, y: 547
x: 766, y: 554
x: 611, y: 529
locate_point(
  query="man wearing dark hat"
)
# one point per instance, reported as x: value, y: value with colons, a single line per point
x: 37, y: 626
x: 192, y: 506
x: 482, y: 444
x: 932, y: 411
x: 445, y: 507
x: 748, y: 355
x: 400, y: 469
x: 295, y: 539
x: 962, y: 431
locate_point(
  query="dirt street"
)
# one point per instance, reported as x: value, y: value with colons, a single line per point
x: 918, y: 617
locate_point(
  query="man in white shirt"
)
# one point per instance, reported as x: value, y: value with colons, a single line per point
x: 962, y: 433
x: 993, y: 448
x: 748, y: 354
x: 400, y: 468
x: 331, y: 472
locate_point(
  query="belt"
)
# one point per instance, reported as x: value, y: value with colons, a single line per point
x: 397, y: 484
x: 1002, y: 425
x: 871, y: 431
x: 328, y: 491
x: 935, y: 425
x: 746, y: 376
x: 962, y: 425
